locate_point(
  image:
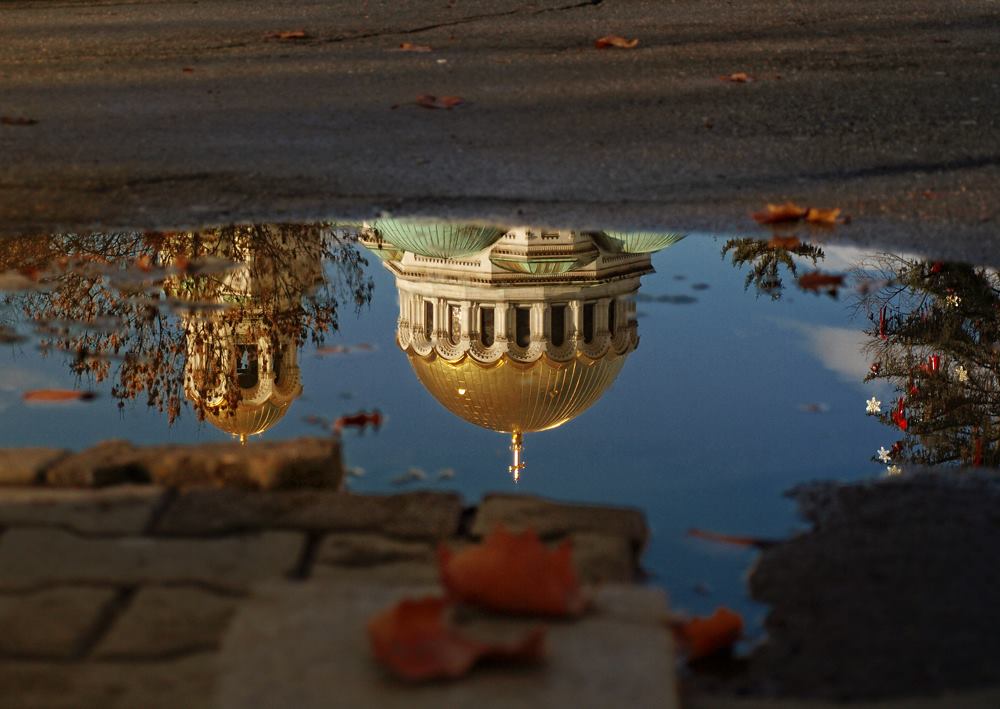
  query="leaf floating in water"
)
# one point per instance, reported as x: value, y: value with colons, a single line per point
x: 817, y: 281
x: 360, y: 421
x: 415, y: 641
x: 613, y: 40
x: 443, y: 102
x: 701, y: 637
x: 733, y: 539
x: 58, y: 395
x: 676, y: 299
x: 513, y: 573
x: 411, y: 475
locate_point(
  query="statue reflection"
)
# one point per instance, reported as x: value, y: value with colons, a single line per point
x: 520, y: 330
x: 214, y: 318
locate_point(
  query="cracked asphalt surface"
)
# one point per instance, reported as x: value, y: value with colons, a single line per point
x: 157, y: 114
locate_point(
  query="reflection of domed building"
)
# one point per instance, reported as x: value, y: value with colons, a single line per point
x: 241, y: 327
x: 522, y: 336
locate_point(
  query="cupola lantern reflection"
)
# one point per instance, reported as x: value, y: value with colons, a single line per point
x: 521, y: 336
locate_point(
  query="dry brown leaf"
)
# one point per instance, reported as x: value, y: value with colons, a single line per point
x: 778, y: 213
x: 613, y: 40
x: 513, y: 573
x: 289, y: 34
x: 701, y: 637
x: 410, y: 47
x: 784, y: 242
x: 416, y: 642
x: 825, y: 217
x: 58, y: 395
x: 17, y: 121
x: 740, y: 77
x: 442, y: 102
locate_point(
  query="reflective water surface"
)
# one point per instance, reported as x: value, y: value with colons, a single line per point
x: 696, y: 378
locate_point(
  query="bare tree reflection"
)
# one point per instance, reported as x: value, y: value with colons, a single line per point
x: 182, y: 315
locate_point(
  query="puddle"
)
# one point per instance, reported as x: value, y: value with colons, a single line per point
x: 696, y: 377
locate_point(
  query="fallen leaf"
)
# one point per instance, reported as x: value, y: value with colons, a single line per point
x: 740, y: 77
x: 410, y: 47
x: 289, y: 34
x: 188, y: 70
x: 701, y: 637
x: 778, y: 213
x: 613, y: 40
x: 58, y: 395
x: 818, y: 280
x: 415, y: 641
x: 826, y: 217
x: 513, y: 573
x: 360, y: 421
x: 784, y: 242
x: 17, y: 121
x: 444, y: 102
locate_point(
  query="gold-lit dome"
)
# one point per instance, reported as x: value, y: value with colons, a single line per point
x: 248, y: 419
x: 515, y: 397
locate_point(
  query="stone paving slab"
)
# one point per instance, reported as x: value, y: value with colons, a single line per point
x: 260, y: 465
x: 162, y: 621
x: 178, y: 684
x: 551, y: 519
x: 416, y: 515
x: 305, y: 645
x: 26, y: 466
x: 32, y: 558
x: 50, y: 624
x: 125, y: 509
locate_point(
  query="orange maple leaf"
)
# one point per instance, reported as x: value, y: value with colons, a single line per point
x: 444, y: 102
x: 613, y: 40
x: 701, y: 637
x: 778, y: 213
x: 416, y: 642
x: 513, y: 573
x: 826, y: 217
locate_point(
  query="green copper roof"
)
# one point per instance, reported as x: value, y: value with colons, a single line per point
x: 438, y: 240
x: 643, y: 242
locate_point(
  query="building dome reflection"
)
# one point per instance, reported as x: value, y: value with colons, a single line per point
x: 524, y: 335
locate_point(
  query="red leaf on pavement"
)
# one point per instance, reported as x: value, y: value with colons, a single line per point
x: 415, y: 641
x: 17, y: 121
x: 289, y: 34
x: 779, y: 213
x: 613, y: 40
x: 443, y: 102
x: 513, y: 573
x: 701, y: 637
